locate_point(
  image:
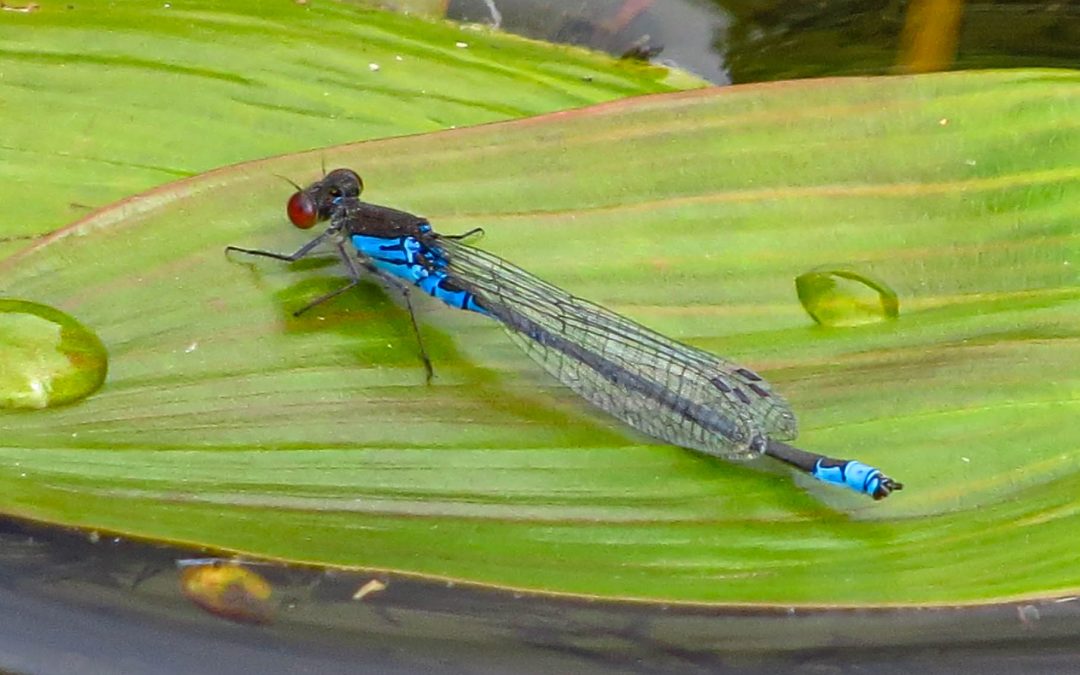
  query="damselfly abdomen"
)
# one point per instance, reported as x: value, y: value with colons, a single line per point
x: 671, y: 391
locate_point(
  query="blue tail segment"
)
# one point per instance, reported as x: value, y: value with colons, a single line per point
x: 410, y: 259
x: 853, y: 474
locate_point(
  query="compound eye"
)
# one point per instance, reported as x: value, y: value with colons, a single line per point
x: 302, y: 210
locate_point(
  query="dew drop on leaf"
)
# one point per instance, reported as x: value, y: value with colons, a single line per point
x: 844, y: 297
x: 47, y: 358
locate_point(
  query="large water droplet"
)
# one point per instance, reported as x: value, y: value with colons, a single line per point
x: 47, y: 358
x: 844, y: 297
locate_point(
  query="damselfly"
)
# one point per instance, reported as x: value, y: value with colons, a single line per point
x: 671, y: 391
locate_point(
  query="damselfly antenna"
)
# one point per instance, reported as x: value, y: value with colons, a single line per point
x: 289, y: 181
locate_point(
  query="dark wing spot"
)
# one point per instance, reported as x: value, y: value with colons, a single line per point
x: 748, y: 374
x: 742, y: 395
x: 760, y: 391
x: 720, y: 384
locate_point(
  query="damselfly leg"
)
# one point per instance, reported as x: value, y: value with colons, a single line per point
x: 416, y: 328
x: 301, y: 252
x: 475, y: 232
x: 351, y: 265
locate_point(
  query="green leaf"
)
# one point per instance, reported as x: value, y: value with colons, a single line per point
x: 229, y: 423
x: 102, y: 100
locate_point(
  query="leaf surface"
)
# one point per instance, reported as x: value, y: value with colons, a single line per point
x: 227, y: 422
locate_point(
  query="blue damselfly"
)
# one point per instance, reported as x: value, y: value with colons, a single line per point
x: 671, y: 391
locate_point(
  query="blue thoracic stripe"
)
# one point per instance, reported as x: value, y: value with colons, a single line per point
x: 408, y: 258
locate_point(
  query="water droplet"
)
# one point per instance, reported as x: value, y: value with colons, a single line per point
x: 47, y: 358
x: 843, y: 297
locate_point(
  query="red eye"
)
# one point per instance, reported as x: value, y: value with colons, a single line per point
x: 302, y: 211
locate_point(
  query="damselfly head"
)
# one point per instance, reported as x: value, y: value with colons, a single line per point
x: 317, y: 201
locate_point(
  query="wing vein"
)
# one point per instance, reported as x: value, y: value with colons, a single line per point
x: 672, y: 391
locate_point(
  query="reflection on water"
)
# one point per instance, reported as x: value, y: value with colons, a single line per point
x: 684, y: 33
x: 227, y: 589
x: 774, y: 40
x: 88, y: 603
x: 756, y: 40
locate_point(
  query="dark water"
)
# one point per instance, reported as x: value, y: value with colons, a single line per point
x: 75, y: 603
x: 754, y: 40
x: 685, y: 33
